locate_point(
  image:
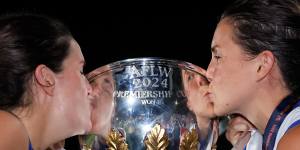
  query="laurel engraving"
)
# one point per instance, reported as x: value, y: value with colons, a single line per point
x: 157, y: 139
x: 189, y: 141
x: 115, y: 141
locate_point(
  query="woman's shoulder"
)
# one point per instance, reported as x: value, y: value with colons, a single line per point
x: 13, y: 134
x: 289, y: 131
x: 290, y: 140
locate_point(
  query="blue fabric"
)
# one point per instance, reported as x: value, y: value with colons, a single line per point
x: 294, y: 124
x: 204, y: 142
x: 276, y: 119
x: 30, y: 146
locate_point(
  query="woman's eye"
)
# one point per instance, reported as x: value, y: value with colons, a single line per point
x: 190, y: 77
x: 217, y: 57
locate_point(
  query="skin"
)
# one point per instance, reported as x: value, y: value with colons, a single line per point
x: 290, y: 140
x: 75, y: 90
x: 250, y: 86
x: 228, y: 67
x: 103, y: 101
x: 10, y: 125
x: 196, y: 87
x: 61, y: 102
x: 57, y: 146
x: 238, y: 131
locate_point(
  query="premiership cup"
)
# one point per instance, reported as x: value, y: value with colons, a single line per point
x: 143, y: 104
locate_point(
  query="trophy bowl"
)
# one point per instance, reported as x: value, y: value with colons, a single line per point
x: 143, y: 104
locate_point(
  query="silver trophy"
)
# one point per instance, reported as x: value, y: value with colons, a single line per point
x: 147, y: 104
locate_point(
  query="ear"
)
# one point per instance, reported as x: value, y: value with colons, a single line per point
x: 45, y: 77
x: 265, y: 63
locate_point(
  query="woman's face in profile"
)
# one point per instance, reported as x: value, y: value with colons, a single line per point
x: 103, y: 103
x: 73, y: 100
x: 196, y: 86
x: 231, y: 72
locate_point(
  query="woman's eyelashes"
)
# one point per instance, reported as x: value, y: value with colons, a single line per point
x: 217, y: 57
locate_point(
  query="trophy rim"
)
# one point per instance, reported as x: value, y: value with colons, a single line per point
x: 142, y: 61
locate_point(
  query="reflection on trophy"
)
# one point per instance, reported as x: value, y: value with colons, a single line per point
x: 149, y: 103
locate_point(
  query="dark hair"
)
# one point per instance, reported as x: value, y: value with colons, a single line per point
x: 27, y: 40
x: 270, y: 25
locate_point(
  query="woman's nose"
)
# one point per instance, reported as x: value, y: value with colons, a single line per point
x: 210, y: 72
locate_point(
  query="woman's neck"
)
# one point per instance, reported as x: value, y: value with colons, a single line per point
x: 262, y: 107
x: 37, y: 127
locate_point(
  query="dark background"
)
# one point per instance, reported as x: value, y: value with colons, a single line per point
x: 116, y: 31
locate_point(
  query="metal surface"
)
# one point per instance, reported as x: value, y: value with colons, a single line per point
x: 149, y: 103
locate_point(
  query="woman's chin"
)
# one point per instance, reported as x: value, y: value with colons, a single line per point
x: 219, y: 112
x: 102, y: 131
x: 86, y: 129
